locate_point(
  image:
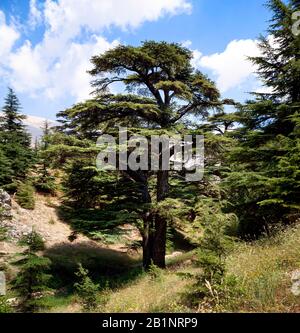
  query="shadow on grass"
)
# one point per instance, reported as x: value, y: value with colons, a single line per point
x: 108, y: 267
x: 97, y: 224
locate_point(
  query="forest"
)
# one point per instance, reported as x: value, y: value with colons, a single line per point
x: 147, y: 239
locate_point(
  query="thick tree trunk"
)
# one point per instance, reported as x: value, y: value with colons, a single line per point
x: 162, y: 185
x: 160, y: 238
x: 148, y: 240
x: 154, y: 240
x: 155, y: 228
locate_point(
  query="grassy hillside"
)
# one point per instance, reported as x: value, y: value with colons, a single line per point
x: 263, y: 270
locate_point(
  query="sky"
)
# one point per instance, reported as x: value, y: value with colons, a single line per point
x: 46, y: 45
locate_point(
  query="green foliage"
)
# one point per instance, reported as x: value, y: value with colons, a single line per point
x: 214, y: 288
x: 32, y: 279
x: 15, y: 153
x: 162, y: 90
x: 25, y: 196
x: 4, y: 306
x: 214, y: 246
x: 44, y: 182
x: 33, y: 241
x: 263, y: 165
x: 86, y: 289
x: 2, y: 231
x: 155, y: 272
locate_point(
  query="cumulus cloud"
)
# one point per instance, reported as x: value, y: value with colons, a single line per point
x: 96, y: 15
x: 8, y: 36
x: 231, y: 67
x: 57, y: 65
x: 35, y: 15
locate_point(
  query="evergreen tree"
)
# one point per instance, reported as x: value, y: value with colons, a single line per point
x: 164, y: 90
x: 15, y: 151
x: 32, y: 277
x: 44, y: 181
x: 13, y: 119
x: 25, y: 195
x: 86, y: 289
x: 264, y: 178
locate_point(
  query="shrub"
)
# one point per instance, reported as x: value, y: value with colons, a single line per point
x: 32, y: 279
x: 45, y: 183
x: 25, y: 196
x: 86, y: 289
x: 4, y: 306
x: 155, y: 272
x: 213, y: 287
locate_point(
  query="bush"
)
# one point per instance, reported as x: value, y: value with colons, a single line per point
x: 32, y: 279
x: 3, y: 235
x: 155, y: 272
x: 86, y: 289
x: 4, y: 306
x: 25, y: 196
x: 213, y: 287
x: 45, y: 183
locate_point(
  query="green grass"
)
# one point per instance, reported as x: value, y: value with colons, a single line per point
x: 264, y: 267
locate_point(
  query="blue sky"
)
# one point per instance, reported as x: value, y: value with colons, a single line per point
x: 45, y: 45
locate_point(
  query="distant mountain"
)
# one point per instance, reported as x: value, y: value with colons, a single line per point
x: 34, y: 125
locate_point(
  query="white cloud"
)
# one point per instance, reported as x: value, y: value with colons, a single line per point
x: 96, y: 15
x: 57, y: 65
x: 70, y: 72
x: 35, y: 15
x: 230, y: 67
x: 8, y: 36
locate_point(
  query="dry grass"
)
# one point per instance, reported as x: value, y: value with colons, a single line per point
x: 264, y: 269
x: 150, y: 295
x: 144, y: 295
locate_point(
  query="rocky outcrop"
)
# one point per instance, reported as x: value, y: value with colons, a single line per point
x: 5, y: 206
x: 14, y: 229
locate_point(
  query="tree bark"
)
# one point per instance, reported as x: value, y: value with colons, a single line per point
x: 160, y: 238
x: 154, y: 240
x: 162, y: 184
x: 155, y: 228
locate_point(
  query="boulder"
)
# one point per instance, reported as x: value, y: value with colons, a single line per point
x: 5, y: 205
x: 295, y: 278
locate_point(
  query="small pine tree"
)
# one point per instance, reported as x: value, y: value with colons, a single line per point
x: 44, y: 182
x: 32, y: 278
x: 13, y: 118
x: 86, y: 289
x: 25, y: 196
x: 213, y: 285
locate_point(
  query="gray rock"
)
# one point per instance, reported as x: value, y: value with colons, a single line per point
x: 5, y: 206
x: 296, y: 288
x: 295, y: 276
x: 5, y: 198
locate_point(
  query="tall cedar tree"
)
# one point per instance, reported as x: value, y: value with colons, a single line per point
x: 264, y: 173
x: 15, y: 151
x: 163, y: 90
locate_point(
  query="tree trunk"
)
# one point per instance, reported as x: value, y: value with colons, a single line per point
x: 160, y: 238
x: 148, y: 240
x: 154, y: 240
x: 162, y: 185
x: 155, y: 228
